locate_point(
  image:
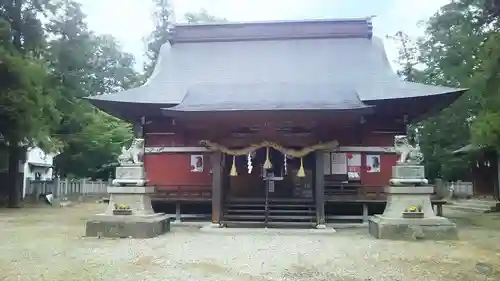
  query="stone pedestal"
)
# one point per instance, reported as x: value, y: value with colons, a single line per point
x: 136, y: 197
x: 401, y: 196
x: 142, y: 223
x: 408, y: 175
x: 130, y: 174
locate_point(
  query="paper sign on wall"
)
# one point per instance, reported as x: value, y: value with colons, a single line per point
x: 354, y: 166
x: 339, y: 163
x: 196, y: 163
x: 373, y: 163
x: 354, y: 160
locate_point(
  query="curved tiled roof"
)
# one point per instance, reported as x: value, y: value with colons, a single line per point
x: 309, y: 62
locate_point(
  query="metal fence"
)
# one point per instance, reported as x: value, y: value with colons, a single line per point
x: 64, y: 188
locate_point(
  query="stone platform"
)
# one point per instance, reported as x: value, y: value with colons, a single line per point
x: 131, y: 226
x: 412, y: 229
x: 142, y: 223
x: 392, y: 225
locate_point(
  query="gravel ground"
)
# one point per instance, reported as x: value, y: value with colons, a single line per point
x: 46, y: 244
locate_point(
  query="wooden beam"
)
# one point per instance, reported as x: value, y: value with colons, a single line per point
x: 216, y: 160
x: 181, y: 149
x: 320, y: 187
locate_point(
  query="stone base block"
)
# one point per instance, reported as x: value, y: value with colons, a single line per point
x: 127, y: 226
x: 408, y: 182
x: 136, y: 197
x: 215, y: 225
x: 130, y: 174
x: 435, y: 228
x: 403, y: 171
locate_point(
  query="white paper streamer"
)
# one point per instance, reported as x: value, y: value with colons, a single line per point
x: 249, y: 163
x: 285, y: 165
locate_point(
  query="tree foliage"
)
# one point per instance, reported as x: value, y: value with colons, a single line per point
x: 202, y: 16
x: 27, y: 93
x: 87, y: 64
x: 161, y: 33
x: 460, y: 48
x: 46, y: 70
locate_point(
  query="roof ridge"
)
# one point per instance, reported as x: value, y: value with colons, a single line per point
x: 272, y: 30
x: 235, y: 23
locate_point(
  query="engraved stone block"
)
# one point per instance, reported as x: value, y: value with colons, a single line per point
x: 130, y: 172
x: 408, y: 172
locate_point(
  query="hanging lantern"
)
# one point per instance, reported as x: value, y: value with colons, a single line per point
x: 301, y: 173
x: 488, y: 163
x: 233, y: 167
x: 249, y: 163
x: 267, y: 163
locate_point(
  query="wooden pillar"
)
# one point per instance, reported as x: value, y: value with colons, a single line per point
x: 439, y: 210
x: 215, y: 159
x: 138, y: 127
x: 178, y: 212
x: 320, y: 187
x: 365, y: 212
x: 496, y: 186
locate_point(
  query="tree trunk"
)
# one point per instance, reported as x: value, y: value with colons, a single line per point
x: 14, y: 185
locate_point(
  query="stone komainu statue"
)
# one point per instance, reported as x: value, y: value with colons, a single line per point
x: 408, y: 154
x: 132, y: 155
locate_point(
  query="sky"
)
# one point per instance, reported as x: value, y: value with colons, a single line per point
x: 130, y: 21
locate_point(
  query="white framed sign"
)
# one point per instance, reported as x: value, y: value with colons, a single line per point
x: 354, y: 159
x: 372, y: 163
x: 354, y: 166
x: 339, y: 163
x: 197, y: 163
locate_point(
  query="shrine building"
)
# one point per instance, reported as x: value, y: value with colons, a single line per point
x: 273, y: 123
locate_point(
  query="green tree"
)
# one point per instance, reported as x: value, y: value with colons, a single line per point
x: 159, y: 35
x: 163, y: 26
x: 86, y: 64
x: 459, y: 49
x: 407, y: 56
x: 27, y: 94
x: 202, y: 16
x: 486, y: 80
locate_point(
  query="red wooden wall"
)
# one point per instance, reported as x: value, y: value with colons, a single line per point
x: 171, y: 170
x: 387, y: 160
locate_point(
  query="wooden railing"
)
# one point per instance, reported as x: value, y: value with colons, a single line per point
x: 336, y: 190
x: 183, y: 192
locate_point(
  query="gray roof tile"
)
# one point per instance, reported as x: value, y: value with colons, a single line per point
x: 268, y: 96
x: 318, y: 71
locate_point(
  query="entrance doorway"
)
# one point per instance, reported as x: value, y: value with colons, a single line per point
x: 269, y: 197
x: 255, y: 183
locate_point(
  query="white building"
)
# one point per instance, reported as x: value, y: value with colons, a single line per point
x: 38, y: 166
